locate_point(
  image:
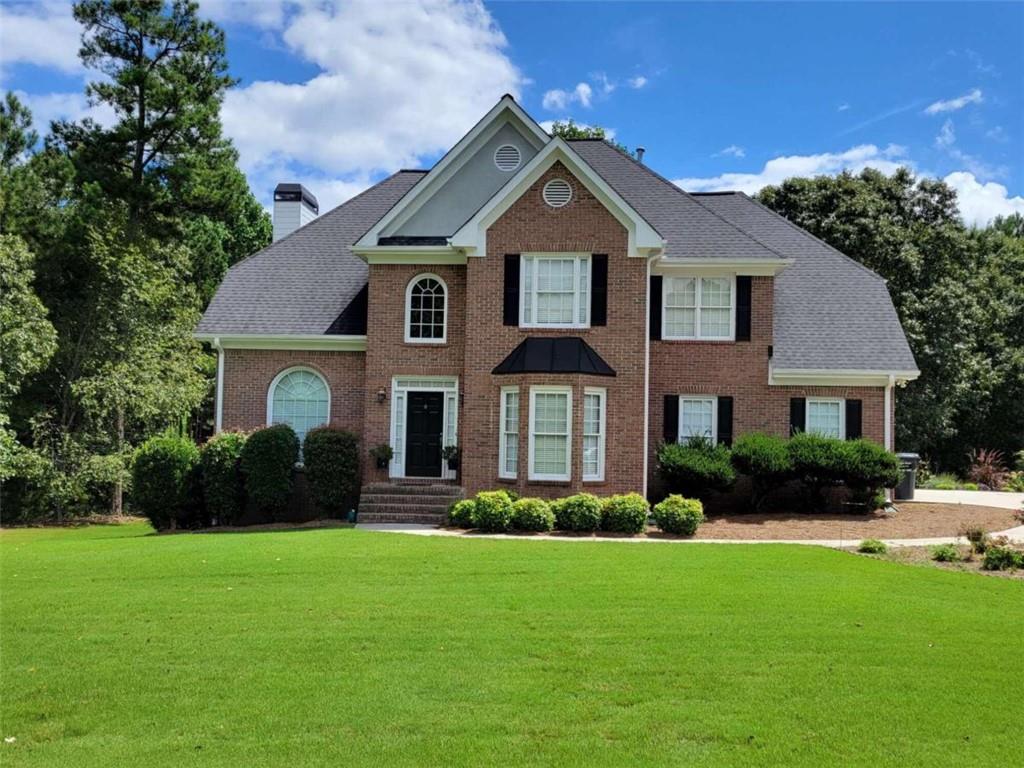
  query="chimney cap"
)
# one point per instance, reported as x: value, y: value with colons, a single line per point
x: 293, y: 192
x: 640, y: 153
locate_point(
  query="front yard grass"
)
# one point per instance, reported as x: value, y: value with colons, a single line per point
x: 345, y: 647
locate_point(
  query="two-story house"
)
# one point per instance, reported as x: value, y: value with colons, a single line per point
x: 554, y: 308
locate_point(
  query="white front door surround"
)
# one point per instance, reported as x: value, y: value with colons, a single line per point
x: 401, y: 386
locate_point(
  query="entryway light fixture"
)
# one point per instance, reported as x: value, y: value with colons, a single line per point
x: 381, y: 395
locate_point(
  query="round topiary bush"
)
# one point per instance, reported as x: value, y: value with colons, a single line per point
x: 679, y: 515
x: 493, y: 511
x: 331, y: 457
x: 581, y: 512
x: 163, y: 479
x: 268, y: 459
x: 532, y: 515
x: 462, y: 513
x: 221, y: 476
x: 625, y: 513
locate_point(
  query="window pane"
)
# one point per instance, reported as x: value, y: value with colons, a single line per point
x: 584, y: 284
x: 680, y: 322
x: 426, y: 309
x: 556, y: 290
x: 549, y: 455
x: 716, y: 292
x: 682, y: 292
x: 592, y: 437
x: 823, y: 418
x: 550, y: 436
x: 300, y: 401
x: 697, y: 418
x: 715, y: 322
x: 510, y: 434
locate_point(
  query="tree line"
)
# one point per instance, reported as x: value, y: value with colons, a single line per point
x: 114, y: 238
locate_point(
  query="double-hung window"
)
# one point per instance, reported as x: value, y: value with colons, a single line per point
x: 508, y: 448
x: 550, y: 435
x: 698, y: 308
x: 698, y: 417
x: 554, y: 291
x: 826, y: 417
x: 593, y: 433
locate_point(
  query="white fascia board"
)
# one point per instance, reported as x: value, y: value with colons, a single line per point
x: 717, y: 265
x: 812, y: 377
x: 410, y: 254
x: 297, y: 341
x: 454, y: 159
x: 644, y: 240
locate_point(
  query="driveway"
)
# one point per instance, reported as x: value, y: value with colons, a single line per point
x: 980, y: 498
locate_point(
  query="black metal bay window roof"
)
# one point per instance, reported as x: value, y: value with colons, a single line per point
x: 554, y: 355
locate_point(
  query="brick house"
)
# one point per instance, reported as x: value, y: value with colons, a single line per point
x: 553, y: 308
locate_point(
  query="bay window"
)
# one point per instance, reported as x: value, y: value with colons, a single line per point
x: 508, y: 448
x: 550, y: 441
x: 593, y: 433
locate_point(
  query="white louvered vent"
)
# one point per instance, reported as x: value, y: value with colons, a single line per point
x: 557, y: 193
x: 507, y: 157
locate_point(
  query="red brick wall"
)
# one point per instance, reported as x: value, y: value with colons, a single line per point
x: 584, y: 225
x: 249, y: 372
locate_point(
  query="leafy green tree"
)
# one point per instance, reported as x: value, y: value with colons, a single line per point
x: 570, y: 129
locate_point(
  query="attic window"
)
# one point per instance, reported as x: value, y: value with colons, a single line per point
x: 507, y: 157
x: 557, y: 193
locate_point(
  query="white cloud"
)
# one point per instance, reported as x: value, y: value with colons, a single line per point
x: 557, y: 98
x: 47, y: 107
x: 947, y: 136
x: 607, y: 86
x: 731, y: 151
x: 779, y: 169
x: 842, y: 107
x: 952, y: 105
x: 980, y: 203
x: 637, y: 82
x: 266, y: 14
x: 398, y: 84
x: 997, y: 133
x: 43, y: 34
x: 946, y: 141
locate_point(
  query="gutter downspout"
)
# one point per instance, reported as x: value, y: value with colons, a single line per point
x: 887, y: 438
x: 218, y: 412
x: 647, y: 372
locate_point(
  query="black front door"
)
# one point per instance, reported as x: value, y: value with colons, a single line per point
x: 425, y: 422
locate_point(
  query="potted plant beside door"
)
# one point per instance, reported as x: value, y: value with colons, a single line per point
x: 382, y: 454
x: 451, y: 453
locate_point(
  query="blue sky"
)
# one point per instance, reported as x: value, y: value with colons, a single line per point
x: 721, y: 95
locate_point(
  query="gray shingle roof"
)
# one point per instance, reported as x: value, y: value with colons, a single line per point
x: 691, y: 229
x: 303, y: 282
x: 831, y: 312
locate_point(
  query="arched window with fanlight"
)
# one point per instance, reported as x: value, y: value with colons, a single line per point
x: 300, y: 398
x: 426, y: 310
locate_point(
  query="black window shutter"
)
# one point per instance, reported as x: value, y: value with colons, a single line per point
x: 797, y: 415
x: 854, y: 408
x: 655, y: 306
x: 599, y: 289
x: 743, y: 308
x: 671, y: 431
x: 725, y: 421
x: 511, y: 311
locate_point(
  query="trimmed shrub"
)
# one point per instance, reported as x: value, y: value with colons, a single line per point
x: 625, y: 513
x: 462, y: 513
x: 869, y: 469
x: 945, y: 553
x: 1001, y: 558
x: 819, y: 462
x: 581, y: 512
x: 979, y: 539
x: 221, y: 472
x: 766, y: 460
x: 679, y: 515
x: 532, y: 515
x: 163, y: 479
x: 268, y: 459
x: 331, y: 457
x: 493, y: 511
x: 941, y: 482
x: 696, y: 467
x: 872, y: 547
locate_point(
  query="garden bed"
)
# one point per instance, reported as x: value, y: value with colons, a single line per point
x: 914, y: 520
x: 922, y: 556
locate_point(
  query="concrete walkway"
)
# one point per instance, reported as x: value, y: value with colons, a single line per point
x: 978, y: 498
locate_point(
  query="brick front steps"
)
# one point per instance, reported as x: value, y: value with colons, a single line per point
x: 407, y: 501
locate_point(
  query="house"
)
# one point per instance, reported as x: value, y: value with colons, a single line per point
x: 554, y: 308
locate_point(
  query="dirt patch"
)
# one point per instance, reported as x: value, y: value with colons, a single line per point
x: 913, y: 520
x: 922, y: 556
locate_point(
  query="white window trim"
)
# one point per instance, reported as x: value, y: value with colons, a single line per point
x: 401, y: 386
x: 408, y: 309
x: 568, y: 437
x: 665, y: 284
x: 525, y: 259
x: 824, y: 400
x: 680, y: 438
x: 503, y: 412
x: 601, y: 393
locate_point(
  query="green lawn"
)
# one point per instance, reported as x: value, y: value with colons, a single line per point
x: 342, y: 647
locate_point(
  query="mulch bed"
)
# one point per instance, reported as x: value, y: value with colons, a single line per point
x: 914, y: 520
x: 922, y: 556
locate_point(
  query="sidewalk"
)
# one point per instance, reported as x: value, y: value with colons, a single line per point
x: 979, y: 498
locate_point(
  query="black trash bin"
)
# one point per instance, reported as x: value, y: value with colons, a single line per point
x: 908, y: 465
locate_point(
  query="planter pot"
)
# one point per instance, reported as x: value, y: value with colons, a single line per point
x: 383, y: 463
x: 453, y: 464
x: 352, y: 515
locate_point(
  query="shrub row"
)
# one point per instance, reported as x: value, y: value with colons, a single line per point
x: 698, y: 467
x: 498, y: 511
x: 177, y: 485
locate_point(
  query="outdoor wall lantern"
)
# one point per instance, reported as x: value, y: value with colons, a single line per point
x: 381, y: 395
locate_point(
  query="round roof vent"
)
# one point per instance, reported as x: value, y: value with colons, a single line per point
x: 507, y: 157
x: 557, y: 193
